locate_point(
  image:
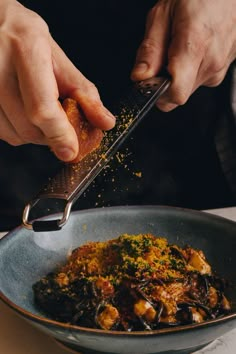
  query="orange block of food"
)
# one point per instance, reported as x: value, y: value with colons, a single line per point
x: 89, y: 137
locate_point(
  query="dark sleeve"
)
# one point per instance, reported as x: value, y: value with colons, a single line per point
x: 225, y: 138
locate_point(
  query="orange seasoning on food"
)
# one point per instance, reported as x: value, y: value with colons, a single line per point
x: 89, y: 137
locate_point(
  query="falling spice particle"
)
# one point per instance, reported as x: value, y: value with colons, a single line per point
x: 138, y: 174
x: 111, y: 169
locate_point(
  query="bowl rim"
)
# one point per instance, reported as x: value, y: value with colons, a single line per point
x: 87, y: 330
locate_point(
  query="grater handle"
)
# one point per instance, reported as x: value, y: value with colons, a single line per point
x: 45, y: 225
x: 73, y: 179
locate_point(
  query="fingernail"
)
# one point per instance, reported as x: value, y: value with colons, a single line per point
x: 140, y: 68
x: 110, y: 115
x: 65, y: 154
x: 111, y: 119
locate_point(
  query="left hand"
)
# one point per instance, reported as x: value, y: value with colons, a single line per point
x: 194, y: 39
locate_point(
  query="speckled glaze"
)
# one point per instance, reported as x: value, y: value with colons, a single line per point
x: 25, y: 256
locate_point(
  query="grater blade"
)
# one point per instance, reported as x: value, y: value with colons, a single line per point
x: 73, y: 179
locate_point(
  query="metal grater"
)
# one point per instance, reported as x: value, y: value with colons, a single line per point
x: 73, y: 179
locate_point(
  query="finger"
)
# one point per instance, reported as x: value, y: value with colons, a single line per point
x: 152, y: 52
x: 210, y: 78
x: 73, y: 84
x: 39, y: 92
x: 14, y: 109
x: 214, y: 68
x: 7, y: 131
x: 186, y: 53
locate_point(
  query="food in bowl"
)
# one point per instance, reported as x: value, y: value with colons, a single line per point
x: 131, y: 283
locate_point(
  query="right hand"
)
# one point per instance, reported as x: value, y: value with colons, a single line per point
x: 34, y: 73
x: 194, y: 39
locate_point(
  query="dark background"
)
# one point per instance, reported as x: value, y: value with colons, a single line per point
x: 173, y: 152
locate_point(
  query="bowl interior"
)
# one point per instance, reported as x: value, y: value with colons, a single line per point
x: 25, y: 256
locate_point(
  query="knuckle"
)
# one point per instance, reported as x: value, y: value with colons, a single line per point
x: 166, y: 107
x: 217, y: 64
x: 179, y: 96
x: 14, y: 141
x: 87, y: 87
x: 91, y: 87
x: 17, y: 142
x: 149, y: 46
x: 151, y: 13
x: 41, y: 115
x: 215, y: 80
x: 39, y: 22
x: 86, y: 95
x: 28, y: 32
x: 155, y: 10
x: 31, y: 136
x: 60, y: 138
x: 57, y: 140
x: 34, y: 25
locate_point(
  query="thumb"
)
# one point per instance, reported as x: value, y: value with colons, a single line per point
x: 152, y: 52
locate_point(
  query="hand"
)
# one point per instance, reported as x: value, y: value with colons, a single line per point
x: 194, y: 39
x: 34, y: 73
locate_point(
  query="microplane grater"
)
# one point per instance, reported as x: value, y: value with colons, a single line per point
x: 73, y: 179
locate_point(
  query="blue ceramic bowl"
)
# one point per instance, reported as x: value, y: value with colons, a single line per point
x: 25, y: 256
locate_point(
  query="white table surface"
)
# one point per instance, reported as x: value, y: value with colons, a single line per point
x: 19, y: 337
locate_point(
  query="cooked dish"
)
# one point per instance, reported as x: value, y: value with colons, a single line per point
x: 132, y: 283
